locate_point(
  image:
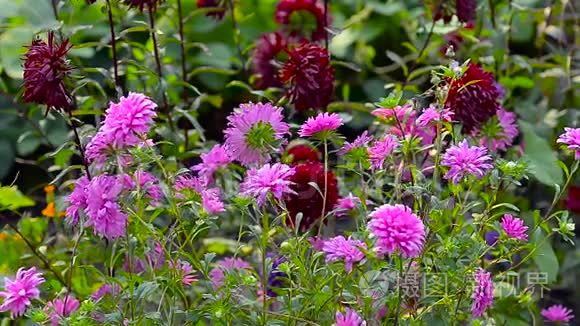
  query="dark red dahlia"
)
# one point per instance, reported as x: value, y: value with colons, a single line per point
x: 302, y: 153
x: 307, y: 199
x: 473, y: 97
x: 220, y: 7
x: 268, y: 48
x: 45, y: 68
x: 572, y: 201
x: 465, y: 10
x: 143, y: 4
x: 309, y: 76
x: 297, y: 15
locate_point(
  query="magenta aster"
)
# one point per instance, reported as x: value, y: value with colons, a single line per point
x: 184, y: 271
x: 347, y: 250
x: 268, y: 48
x: 345, y: 205
x: 571, y: 138
x: 322, y: 124
x: 404, y: 123
x: 196, y: 188
x: 287, y: 10
x: 464, y: 160
x: 349, y: 318
x: 59, y: 309
x: 77, y: 199
x: 396, y: 228
x: 147, y: 182
x: 20, y: 291
x: 309, y: 76
x: 212, y: 161
x: 482, y: 293
x: 105, y: 289
x: 501, y: 134
x: 380, y: 150
x: 45, y: 70
x: 217, y: 274
x: 514, y: 227
x: 360, y: 142
x: 254, y: 131
x: 269, y: 179
x: 432, y: 116
x: 103, y: 211
x: 557, y: 313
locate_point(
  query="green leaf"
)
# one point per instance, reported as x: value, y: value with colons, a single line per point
x: 544, y: 257
x: 542, y: 159
x: 27, y: 143
x: 12, y: 199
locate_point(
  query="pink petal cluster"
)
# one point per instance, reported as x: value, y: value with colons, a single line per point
x: 557, y: 313
x: 432, y: 116
x: 395, y: 227
x: 20, y: 291
x: 464, y: 160
x: 185, y: 271
x: 361, y: 141
x: 198, y: 187
x: 405, y: 123
x: 212, y: 161
x: 514, y: 227
x: 349, y: 318
x: 346, y: 204
x: 322, y: 123
x: 482, y: 293
x: 148, y: 184
x: 103, y: 211
x: 105, y: 289
x: 77, y: 199
x: 241, y: 122
x: 58, y: 309
x: 571, y: 138
x: 217, y: 274
x: 507, y: 133
x: 269, y: 179
x: 347, y: 250
x: 380, y: 150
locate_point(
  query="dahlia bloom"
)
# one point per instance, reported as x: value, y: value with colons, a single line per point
x: 514, y: 227
x: 45, y: 68
x: 19, y: 292
x: 185, y: 271
x: 305, y: 198
x: 274, y: 179
x: 571, y: 138
x: 197, y: 189
x: 349, y: 318
x: 212, y: 161
x: 557, y: 313
x: 432, y: 116
x: 464, y: 160
x: 360, y: 142
x: 396, y: 228
x: 320, y: 125
x: 380, y: 150
x: 276, y: 277
x: 217, y: 275
x: 348, y: 250
x: 267, y: 49
x: 219, y: 5
x: 572, y: 201
x: 103, y: 212
x: 482, y: 293
x: 309, y: 76
x: 501, y: 136
x: 142, y: 4
x: 346, y: 204
x: 473, y: 98
x: 77, y: 200
x: 299, y: 153
x: 61, y: 308
x: 255, y: 130
x: 286, y: 8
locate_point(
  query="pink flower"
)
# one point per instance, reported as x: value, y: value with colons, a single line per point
x: 316, y: 242
x: 61, y: 308
x: 380, y: 150
x: 404, y: 123
x: 396, y: 228
x: 217, y: 275
x: 350, y: 318
x: 557, y: 313
x: 155, y: 257
x: 571, y: 137
x: 196, y: 188
x: 103, y: 212
x: 77, y: 200
x: 466, y: 160
x: 211, y: 202
x: 212, y: 161
x: 514, y: 227
x: 104, y: 290
x: 322, y: 123
x: 483, y: 292
x: 274, y: 179
x: 19, y: 292
x: 500, y: 137
x: 339, y: 248
x: 185, y: 271
x: 148, y: 184
x: 255, y: 130
x: 360, y: 142
x: 432, y: 116
x: 346, y: 204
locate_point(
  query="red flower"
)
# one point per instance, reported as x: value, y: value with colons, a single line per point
x: 286, y: 9
x: 307, y: 199
x: 473, y: 97
x: 142, y: 4
x: 572, y: 201
x: 45, y: 67
x: 268, y: 48
x: 310, y: 77
x: 219, y: 5
x: 302, y: 153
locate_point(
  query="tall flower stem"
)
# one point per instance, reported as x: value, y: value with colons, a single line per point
x: 264, y: 245
x: 79, y: 144
x: 114, y: 47
x: 325, y: 191
x: 182, y: 49
x: 237, y: 36
x: 325, y: 23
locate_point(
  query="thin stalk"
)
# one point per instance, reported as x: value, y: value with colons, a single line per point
x: 325, y: 185
x: 182, y: 49
x: 79, y: 144
x: 265, y: 231
x: 326, y: 22
x: 237, y: 36
x: 399, y: 290
x: 492, y: 13
x: 114, y: 47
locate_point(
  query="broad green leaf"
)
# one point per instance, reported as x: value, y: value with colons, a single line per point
x: 542, y: 159
x: 544, y: 257
x: 11, y: 198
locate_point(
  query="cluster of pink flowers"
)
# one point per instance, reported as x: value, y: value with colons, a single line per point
x: 397, y: 228
x: 60, y: 308
x: 197, y: 188
x: 482, y: 293
x: 380, y: 150
x: 347, y: 250
x: 211, y: 162
x: 217, y: 274
x: 360, y: 142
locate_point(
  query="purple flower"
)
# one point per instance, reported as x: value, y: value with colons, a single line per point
x: 396, y: 228
x: 346, y: 204
x: 514, y: 227
x: 184, y: 271
x: 156, y: 257
x: 381, y: 149
x: 148, y: 183
x: 276, y: 277
x: 360, y: 142
x: 61, y: 308
x: 571, y: 137
x: 316, y: 242
x: 212, y: 161
x: 217, y: 275
x: 482, y: 293
x: 350, y: 318
x: 404, y: 123
x: 432, y: 116
x: 103, y: 212
x: 196, y: 188
x: 274, y: 179
x: 349, y: 250
x: 77, y: 200
x: 557, y: 313
x: 19, y: 292
x: 502, y: 136
x: 254, y: 131
x: 322, y: 123
x: 466, y: 160
x: 104, y: 290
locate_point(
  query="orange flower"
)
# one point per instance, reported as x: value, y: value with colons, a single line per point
x: 49, y: 189
x: 49, y: 211
x: 3, y: 236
